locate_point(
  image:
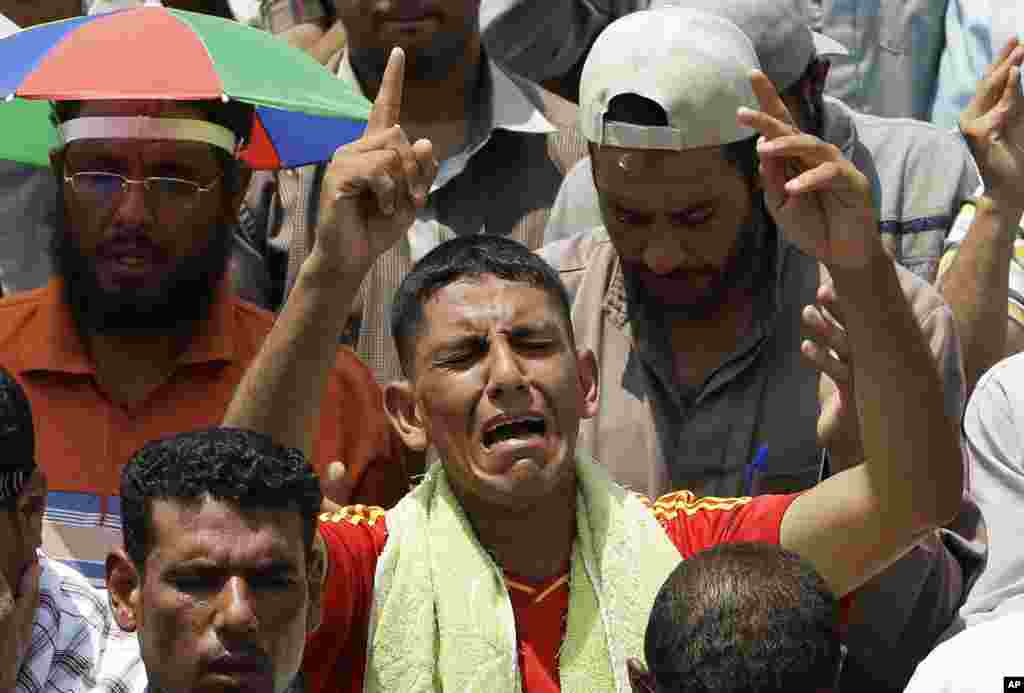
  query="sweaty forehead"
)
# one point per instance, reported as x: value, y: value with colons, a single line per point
x: 481, y: 302
x: 631, y: 171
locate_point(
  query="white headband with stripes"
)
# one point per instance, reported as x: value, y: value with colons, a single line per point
x: 148, y: 128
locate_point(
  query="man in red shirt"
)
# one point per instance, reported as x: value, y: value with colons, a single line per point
x: 463, y: 585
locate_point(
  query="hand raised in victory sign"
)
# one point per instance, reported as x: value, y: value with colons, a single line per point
x: 820, y: 201
x: 374, y: 185
x: 993, y: 126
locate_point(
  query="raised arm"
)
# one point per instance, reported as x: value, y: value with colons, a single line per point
x: 370, y: 193
x: 976, y: 286
x: 856, y: 523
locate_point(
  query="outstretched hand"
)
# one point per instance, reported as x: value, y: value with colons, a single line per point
x: 993, y: 126
x: 819, y: 200
x: 373, y: 186
x: 826, y: 348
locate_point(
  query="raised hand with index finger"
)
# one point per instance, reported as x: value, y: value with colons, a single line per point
x: 373, y: 186
x: 820, y: 201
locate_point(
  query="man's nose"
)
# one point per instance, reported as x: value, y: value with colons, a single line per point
x: 665, y: 252
x: 131, y: 207
x: 236, y: 608
x: 506, y: 377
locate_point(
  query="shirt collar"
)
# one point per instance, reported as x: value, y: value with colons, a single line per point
x: 52, y: 342
x: 502, y: 105
x: 838, y: 127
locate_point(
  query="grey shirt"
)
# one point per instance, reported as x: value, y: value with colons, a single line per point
x: 28, y: 204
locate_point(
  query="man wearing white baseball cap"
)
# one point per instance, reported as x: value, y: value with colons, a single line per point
x: 696, y: 305
x: 920, y: 175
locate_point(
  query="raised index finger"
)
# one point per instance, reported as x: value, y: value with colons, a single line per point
x: 387, y: 107
x: 774, y: 119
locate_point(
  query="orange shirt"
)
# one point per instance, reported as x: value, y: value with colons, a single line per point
x: 83, y: 438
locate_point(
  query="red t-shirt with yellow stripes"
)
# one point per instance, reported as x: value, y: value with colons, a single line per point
x: 335, y: 658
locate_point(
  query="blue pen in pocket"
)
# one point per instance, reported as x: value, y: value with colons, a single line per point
x: 756, y: 466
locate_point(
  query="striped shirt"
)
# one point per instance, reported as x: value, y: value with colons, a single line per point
x: 76, y: 644
x: 1015, y: 304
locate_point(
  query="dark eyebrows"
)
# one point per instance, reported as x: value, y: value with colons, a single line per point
x: 457, y: 345
x: 538, y: 328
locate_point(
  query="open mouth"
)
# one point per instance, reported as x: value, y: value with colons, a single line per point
x: 519, y: 428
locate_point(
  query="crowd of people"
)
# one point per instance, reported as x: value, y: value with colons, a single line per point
x: 650, y: 345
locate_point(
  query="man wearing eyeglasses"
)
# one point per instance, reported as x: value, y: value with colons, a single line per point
x: 140, y: 335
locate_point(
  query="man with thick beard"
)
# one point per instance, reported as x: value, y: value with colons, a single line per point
x: 139, y: 335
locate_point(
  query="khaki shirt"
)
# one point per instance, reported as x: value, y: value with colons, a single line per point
x: 655, y: 438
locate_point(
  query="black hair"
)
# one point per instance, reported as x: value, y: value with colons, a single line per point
x: 17, y: 433
x: 236, y: 116
x: 224, y: 464
x: 217, y: 8
x: 468, y: 256
x: 744, y: 618
x: 639, y: 110
x: 810, y: 96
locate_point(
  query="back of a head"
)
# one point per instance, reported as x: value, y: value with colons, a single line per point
x: 467, y: 257
x: 223, y: 464
x: 744, y: 618
x: 779, y: 30
x: 17, y: 438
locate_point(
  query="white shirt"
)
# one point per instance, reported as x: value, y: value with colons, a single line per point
x: 975, y: 661
x: 76, y: 644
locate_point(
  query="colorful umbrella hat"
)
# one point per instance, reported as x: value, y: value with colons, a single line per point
x: 303, y: 113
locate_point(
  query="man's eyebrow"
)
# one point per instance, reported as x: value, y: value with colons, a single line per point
x: 466, y: 341
x: 270, y: 565
x: 533, y: 329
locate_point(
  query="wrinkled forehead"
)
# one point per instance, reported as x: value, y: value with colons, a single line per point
x: 224, y: 530
x: 475, y: 305
x: 124, y: 153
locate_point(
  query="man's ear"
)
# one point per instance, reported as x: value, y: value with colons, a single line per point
x: 57, y: 163
x: 404, y: 413
x: 124, y: 584
x: 640, y: 680
x: 244, y: 177
x: 589, y: 389
x: 316, y: 577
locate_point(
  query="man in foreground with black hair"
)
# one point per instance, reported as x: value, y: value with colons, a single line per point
x: 742, y: 617
x: 219, y: 576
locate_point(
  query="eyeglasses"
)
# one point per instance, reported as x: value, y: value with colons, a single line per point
x: 164, y: 196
